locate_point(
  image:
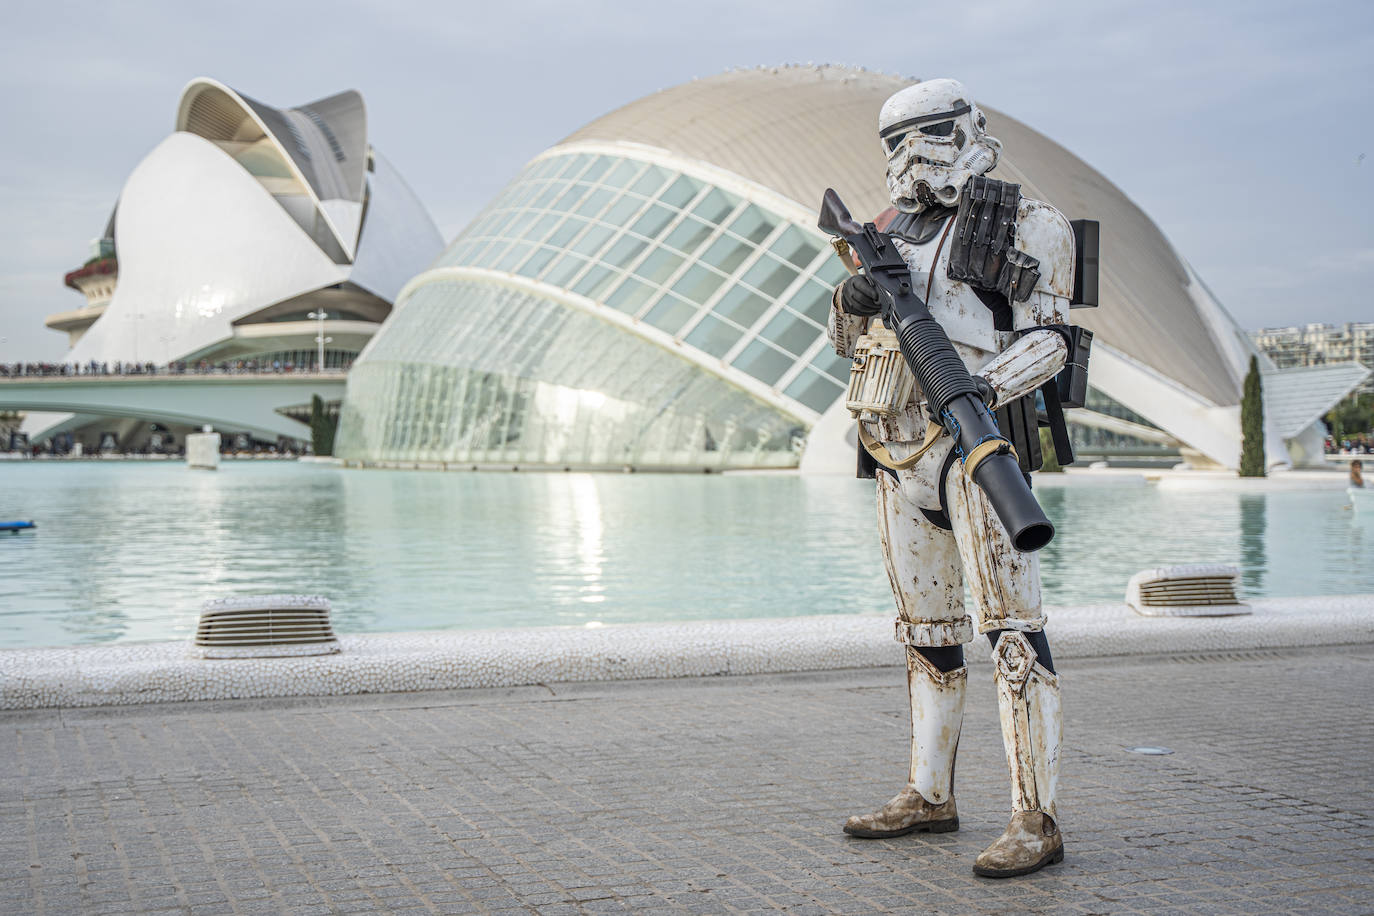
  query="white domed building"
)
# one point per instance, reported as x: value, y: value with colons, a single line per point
x: 651, y: 292
x: 236, y: 229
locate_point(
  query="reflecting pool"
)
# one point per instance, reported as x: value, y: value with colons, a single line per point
x: 130, y: 550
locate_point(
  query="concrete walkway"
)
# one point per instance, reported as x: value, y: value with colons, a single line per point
x: 695, y: 795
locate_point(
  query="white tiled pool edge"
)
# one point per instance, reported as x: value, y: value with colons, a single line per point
x: 448, y: 659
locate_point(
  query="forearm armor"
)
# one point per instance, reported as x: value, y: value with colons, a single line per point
x: 1031, y: 361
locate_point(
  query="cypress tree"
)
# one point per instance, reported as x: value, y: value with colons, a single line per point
x: 1252, y: 424
x: 322, y: 427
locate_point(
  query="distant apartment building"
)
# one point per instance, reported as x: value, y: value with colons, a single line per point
x: 1320, y: 344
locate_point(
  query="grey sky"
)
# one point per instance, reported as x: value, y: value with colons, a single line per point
x: 1237, y: 126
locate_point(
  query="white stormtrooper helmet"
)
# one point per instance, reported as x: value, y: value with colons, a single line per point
x: 934, y: 138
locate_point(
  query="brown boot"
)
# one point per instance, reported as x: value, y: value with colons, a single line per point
x: 906, y: 813
x: 1030, y: 842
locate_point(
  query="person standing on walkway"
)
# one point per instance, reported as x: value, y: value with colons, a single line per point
x: 999, y: 285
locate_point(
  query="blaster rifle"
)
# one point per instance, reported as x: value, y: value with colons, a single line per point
x: 948, y: 387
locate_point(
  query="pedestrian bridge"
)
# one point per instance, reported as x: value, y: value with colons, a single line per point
x: 231, y: 402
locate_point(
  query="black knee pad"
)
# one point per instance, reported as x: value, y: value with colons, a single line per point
x: 944, y: 658
x: 1038, y: 642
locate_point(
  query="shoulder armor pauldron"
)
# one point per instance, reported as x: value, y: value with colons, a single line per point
x: 983, y: 252
x: 919, y: 228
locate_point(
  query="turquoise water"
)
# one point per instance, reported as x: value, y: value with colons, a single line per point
x: 129, y: 551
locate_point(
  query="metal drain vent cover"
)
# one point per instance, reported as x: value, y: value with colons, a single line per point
x: 265, y: 626
x: 1186, y: 591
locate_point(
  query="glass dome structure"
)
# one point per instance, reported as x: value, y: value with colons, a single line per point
x: 607, y: 310
x: 652, y: 292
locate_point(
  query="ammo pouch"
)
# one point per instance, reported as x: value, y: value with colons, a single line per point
x: 1067, y: 389
x: 880, y: 381
x: 984, y: 254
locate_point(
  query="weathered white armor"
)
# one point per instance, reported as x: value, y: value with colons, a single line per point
x: 926, y: 564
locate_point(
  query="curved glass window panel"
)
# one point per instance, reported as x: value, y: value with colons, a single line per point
x: 688, y: 234
x: 622, y: 210
x: 583, y: 393
x: 595, y: 281
x: 791, y: 332
x: 459, y: 250
x: 598, y: 168
x: 595, y: 202
x: 752, y: 224
x: 763, y: 362
x: 741, y: 306
x: 715, y: 206
x: 796, y: 246
x: 546, y: 196
x: 518, y: 225
x: 624, y: 250
x: 814, y: 390
x: 493, y: 223
x: 727, y: 253
x: 630, y: 295
x: 652, y: 221
x: 513, y: 256
x: 659, y: 265
x: 567, y: 231
x: 537, y: 261
x: 833, y: 365
x: 565, y: 269
x: 569, y: 198
x: 831, y: 272
x: 479, y: 250
x: 770, y: 276
x: 594, y: 240
x: 813, y: 301
x: 623, y: 173
x: 542, y: 226
x: 698, y: 284
x: 571, y: 165
x: 714, y: 336
x: 649, y: 182
x: 680, y: 192
x: 670, y: 314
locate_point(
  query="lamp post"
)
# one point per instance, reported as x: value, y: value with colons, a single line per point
x: 320, y: 339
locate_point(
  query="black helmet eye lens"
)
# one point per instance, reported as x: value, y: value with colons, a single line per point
x: 895, y: 141
x: 938, y: 129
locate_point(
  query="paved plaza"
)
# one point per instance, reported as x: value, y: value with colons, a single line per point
x: 696, y: 795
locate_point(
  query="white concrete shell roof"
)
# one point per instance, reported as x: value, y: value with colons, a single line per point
x: 246, y: 206
x: 801, y: 129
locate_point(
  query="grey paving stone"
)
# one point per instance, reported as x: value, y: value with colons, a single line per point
x: 712, y: 796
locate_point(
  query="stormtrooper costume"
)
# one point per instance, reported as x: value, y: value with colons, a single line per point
x: 1002, y: 323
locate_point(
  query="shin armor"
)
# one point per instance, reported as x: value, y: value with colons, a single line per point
x: 1028, y: 700
x: 937, y: 716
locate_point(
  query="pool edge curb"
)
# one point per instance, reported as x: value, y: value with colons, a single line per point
x: 131, y: 674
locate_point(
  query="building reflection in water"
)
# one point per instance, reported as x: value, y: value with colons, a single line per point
x: 1254, y: 559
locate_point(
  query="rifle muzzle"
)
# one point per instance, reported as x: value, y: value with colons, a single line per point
x: 1001, y: 479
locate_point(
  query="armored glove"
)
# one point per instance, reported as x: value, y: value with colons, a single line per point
x: 858, y: 296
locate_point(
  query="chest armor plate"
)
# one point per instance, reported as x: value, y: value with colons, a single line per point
x: 953, y: 303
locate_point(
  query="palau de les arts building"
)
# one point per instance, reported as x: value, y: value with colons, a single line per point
x: 234, y: 230
x: 652, y: 291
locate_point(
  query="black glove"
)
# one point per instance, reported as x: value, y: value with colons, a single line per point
x: 985, y: 391
x: 858, y: 296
